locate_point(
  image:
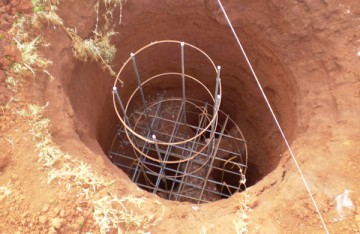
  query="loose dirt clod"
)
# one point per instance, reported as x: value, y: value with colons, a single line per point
x: 4, y: 160
x: 42, y: 219
x: 57, y: 223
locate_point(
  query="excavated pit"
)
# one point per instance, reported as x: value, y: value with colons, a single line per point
x: 89, y: 87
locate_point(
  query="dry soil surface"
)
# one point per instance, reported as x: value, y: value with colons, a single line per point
x: 317, y: 41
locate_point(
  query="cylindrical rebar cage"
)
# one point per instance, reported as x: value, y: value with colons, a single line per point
x: 172, y: 144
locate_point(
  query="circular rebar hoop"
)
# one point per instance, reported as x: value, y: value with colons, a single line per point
x: 117, y: 80
x: 196, y: 151
x: 167, y: 143
x: 212, y: 123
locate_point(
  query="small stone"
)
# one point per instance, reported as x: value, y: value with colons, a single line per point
x: 252, y: 203
x: 24, y: 214
x: 14, y: 177
x: 42, y: 219
x: 4, y: 160
x: 80, y: 221
x: 45, y: 208
x: 23, y: 221
x: 52, y: 230
x: 57, y: 222
x: 357, y: 218
x: 62, y: 213
x: 56, y: 210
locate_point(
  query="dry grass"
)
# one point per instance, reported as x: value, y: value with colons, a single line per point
x: 110, y: 211
x: 5, y: 192
x: 12, y: 83
x: 31, y: 60
x: 45, y: 12
x: 28, y: 41
x: 97, y: 48
x: 108, y: 16
x: 49, y: 17
x: 240, y: 220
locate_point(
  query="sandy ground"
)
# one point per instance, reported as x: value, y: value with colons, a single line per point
x: 318, y: 43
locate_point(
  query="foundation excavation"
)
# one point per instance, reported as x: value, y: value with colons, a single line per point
x: 176, y: 142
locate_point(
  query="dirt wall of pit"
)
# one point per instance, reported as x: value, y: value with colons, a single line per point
x: 88, y: 86
x: 303, y: 53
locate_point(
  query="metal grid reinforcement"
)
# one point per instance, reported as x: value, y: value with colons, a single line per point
x: 177, y: 147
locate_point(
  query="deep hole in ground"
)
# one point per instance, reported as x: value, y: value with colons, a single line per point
x: 89, y: 88
x: 301, y: 32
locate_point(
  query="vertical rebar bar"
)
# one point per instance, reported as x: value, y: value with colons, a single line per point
x: 161, y: 176
x: 141, y: 90
x: 128, y: 123
x: 210, y: 152
x: 213, y: 157
x: 148, y: 135
x: 195, y: 142
x: 176, y: 173
x: 183, y: 78
x: 213, y: 125
x: 217, y: 80
x: 167, y: 153
x: 215, y: 110
x: 121, y: 105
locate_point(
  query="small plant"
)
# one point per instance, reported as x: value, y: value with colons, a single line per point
x: 31, y: 60
x: 45, y: 11
x: 113, y: 213
x: 97, y: 48
x: 40, y: 5
x: 110, y: 5
x: 18, y: 29
x: 27, y: 41
x: 5, y: 191
x: 240, y: 223
x: 81, y: 175
x: 12, y: 83
x: 47, y: 16
x: 110, y: 212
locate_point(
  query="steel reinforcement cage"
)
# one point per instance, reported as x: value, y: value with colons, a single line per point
x: 178, y: 147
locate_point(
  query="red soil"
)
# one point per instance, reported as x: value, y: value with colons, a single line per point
x: 307, y: 51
